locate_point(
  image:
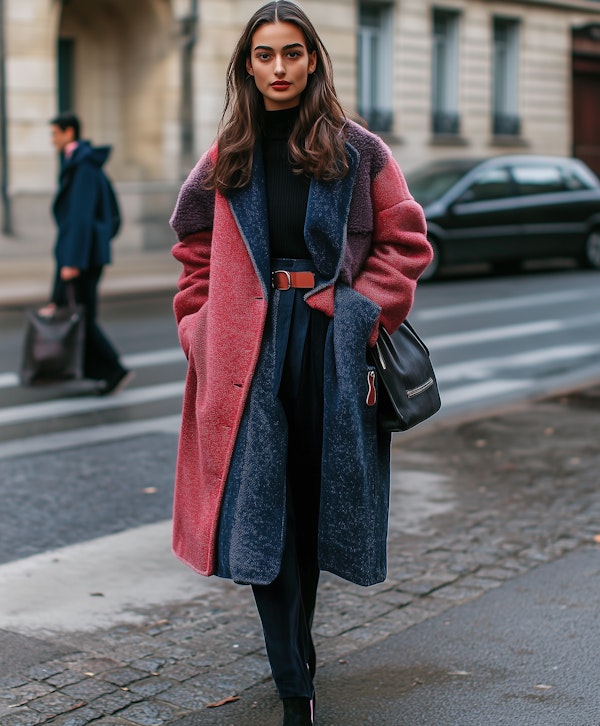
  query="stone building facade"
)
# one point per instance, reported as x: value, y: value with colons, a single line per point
x: 434, y: 77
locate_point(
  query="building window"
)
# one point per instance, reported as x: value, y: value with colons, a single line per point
x: 444, y: 86
x: 506, y: 121
x: 375, y: 81
x: 65, y: 73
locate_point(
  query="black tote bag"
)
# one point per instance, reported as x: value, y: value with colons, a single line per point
x: 408, y: 392
x: 53, y: 345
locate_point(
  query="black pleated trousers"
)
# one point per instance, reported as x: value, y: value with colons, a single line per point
x: 286, y: 606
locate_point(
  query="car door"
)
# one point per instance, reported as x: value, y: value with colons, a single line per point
x: 481, y: 222
x: 553, y: 207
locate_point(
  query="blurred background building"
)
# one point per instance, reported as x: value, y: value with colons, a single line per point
x: 435, y: 79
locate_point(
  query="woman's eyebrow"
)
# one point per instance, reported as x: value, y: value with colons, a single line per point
x: 285, y: 47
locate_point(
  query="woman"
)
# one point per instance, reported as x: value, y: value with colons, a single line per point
x: 298, y: 239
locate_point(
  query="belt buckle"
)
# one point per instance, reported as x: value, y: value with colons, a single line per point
x: 288, y: 277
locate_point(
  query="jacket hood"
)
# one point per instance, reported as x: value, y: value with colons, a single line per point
x: 96, y: 155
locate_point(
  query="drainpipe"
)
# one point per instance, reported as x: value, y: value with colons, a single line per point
x: 189, y: 27
x: 6, y: 211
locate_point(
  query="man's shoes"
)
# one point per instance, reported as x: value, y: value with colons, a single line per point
x: 116, y: 382
x: 297, y: 711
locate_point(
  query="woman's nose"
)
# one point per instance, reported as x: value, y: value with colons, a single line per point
x: 279, y: 66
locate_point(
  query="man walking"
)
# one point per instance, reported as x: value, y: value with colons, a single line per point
x: 87, y: 216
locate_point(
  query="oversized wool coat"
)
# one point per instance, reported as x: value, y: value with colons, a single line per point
x: 367, y: 239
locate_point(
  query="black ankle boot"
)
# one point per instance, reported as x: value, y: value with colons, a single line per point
x: 297, y: 711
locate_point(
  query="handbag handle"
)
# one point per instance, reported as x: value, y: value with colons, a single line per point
x: 415, y: 334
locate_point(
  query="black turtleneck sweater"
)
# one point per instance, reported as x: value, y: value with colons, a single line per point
x: 287, y: 193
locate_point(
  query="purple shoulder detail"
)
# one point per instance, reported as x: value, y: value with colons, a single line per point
x: 195, y: 207
x: 373, y: 157
x: 373, y: 151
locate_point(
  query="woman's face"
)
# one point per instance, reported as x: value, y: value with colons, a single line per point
x: 280, y: 64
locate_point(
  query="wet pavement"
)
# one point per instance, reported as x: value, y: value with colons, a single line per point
x: 493, y: 545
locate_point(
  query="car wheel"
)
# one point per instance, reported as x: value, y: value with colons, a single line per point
x: 591, y: 250
x: 433, y: 267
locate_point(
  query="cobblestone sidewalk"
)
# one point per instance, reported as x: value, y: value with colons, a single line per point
x: 519, y: 489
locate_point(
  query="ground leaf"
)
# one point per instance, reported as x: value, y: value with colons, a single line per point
x: 229, y: 699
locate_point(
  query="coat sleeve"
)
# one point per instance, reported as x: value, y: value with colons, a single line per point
x: 399, y: 252
x: 192, y: 221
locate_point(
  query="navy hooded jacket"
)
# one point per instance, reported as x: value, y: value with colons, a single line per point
x: 85, y: 209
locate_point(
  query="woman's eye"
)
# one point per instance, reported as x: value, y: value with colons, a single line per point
x: 263, y: 56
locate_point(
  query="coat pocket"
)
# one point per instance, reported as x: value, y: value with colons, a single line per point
x: 192, y: 335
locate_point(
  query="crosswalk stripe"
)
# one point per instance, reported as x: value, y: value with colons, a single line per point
x: 134, y: 361
x: 450, y: 340
x: 153, y: 358
x: 486, y: 367
x: 71, y: 407
x: 482, y: 390
x: 32, y: 445
x: 9, y: 380
x: 519, y: 330
x: 521, y: 302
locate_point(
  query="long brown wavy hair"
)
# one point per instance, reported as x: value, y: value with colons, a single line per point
x: 316, y: 145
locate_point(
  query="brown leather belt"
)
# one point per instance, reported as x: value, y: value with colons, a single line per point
x: 285, y: 279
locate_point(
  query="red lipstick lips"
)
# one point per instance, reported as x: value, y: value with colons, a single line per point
x: 280, y: 85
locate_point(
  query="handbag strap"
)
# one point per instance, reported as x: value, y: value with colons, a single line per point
x: 71, y: 295
x: 412, y: 330
x: 417, y: 336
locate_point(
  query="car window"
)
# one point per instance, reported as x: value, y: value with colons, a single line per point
x: 427, y: 185
x: 490, y: 184
x: 574, y: 180
x: 539, y: 179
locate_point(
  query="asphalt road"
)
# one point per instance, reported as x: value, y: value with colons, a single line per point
x: 500, y: 339
x: 74, y: 466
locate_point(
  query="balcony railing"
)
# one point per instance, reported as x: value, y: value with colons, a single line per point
x: 506, y: 125
x: 377, y: 119
x: 444, y: 123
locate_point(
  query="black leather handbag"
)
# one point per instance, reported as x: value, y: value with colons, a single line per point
x: 53, y: 345
x: 407, y: 392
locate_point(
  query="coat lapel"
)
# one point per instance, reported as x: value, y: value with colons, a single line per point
x: 327, y: 218
x: 249, y: 208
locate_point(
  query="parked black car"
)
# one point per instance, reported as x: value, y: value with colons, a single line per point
x: 508, y: 209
